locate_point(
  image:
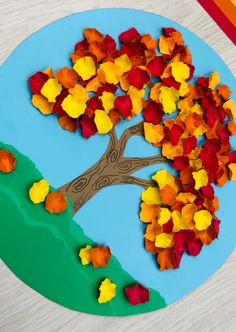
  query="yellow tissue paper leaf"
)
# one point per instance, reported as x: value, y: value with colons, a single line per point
x: 200, y: 178
x: 85, y: 67
x: 124, y: 63
x: 230, y: 108
x: 163, y: 216
x: 184, y: 89
x: 107, y: 291
x: 133, y: 90
x: 79, y: 92
x: 168, y: 97
x: 73, y: 107
x: 214, y: 80
x: 162, y: 178
x: 103, y: 122
x: 84, y: 255
x: 39, y: 191
x: 107, y: 99
x: 155, y: 92
x: 42, y: 104
x: 202, y: 219
x: 153, y: 133
x: 196, y: 163
x: 232, y: 168
x: 164, y: 240
x: 51, y: 89
x: 151, y: 196
x: 178, y: 221
x: 111, y: 71
x: 180, y: 71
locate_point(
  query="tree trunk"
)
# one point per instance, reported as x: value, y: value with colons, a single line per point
x: 112, y: 168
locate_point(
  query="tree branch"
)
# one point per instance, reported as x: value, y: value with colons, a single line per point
x: 134, y: 130
x: 128, y: 165
x: 127, y: 179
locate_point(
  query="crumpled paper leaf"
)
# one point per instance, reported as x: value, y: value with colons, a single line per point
x: 200, y: 178
x: 107, y: 291
x: 148, y: 212
x: 202, y: 219
x: 73, y: 107
x: 39, y: 191
x: 42, y: 104
x: 51, y: 89
x: 68, y: 123
x: 137, y: 294
x: 163, y: 216
x: 56, y: 202
x: 164, y: 240
x: 84, y: 255
x: 103, y: 122
x: 100, y: 256
x: 151, y: 196
x: 153, y: 133
x: 85, y: 67
x: 67, y: 77
x: 180, y: 71
x: 7, y: 161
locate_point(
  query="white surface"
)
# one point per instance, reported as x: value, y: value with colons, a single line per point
x: 212, y: 306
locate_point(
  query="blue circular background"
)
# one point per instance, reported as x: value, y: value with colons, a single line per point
x: 112, y: 215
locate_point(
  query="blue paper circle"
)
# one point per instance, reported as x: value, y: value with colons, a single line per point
x: 112, y: 215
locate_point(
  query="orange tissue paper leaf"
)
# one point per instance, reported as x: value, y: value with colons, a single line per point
x: 56, y: 202
x: 68, y: 123
x: 7, y: 161
x: 67, y: 77
x: 100, y: 256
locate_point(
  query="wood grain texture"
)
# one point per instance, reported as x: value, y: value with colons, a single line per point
x: 212, y: 306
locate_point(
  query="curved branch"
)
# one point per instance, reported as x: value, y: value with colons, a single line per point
x: 128, y: 165
x: 133, y: 130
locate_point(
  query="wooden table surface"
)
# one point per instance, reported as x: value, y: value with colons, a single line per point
x: 211, y: 307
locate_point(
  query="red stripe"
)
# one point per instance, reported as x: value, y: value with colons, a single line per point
x: 220, y: 18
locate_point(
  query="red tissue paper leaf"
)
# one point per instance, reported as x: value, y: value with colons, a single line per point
x: 129, y: 35
x: 36, y: 82
x: 180, y: 163
x: 124, y: 105
x: 108, y: 87
x: 88, y: 127
x: 110, y: 44
x: 167, y: 31
x: 190, y: 143
x: 203, y: 81
x: 94, y: 104
x: 175, y: 133
x: 194, y: 247
x: 157, y: 65
x: 170, y: 81
x: 81, y: 44
x: 137, y: 294
x: 192, y: 69
x: 208, y: 191
x: 138, y: 77
x: 168, y: 226
x: 153, y: 112
x: 57, y: 109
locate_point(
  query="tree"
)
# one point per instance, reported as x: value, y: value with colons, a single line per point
x: 190, y: 123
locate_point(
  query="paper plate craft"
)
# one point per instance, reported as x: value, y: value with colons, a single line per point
x: 117, y: 162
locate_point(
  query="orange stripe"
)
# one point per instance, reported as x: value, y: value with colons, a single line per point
x: 228, y: 8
